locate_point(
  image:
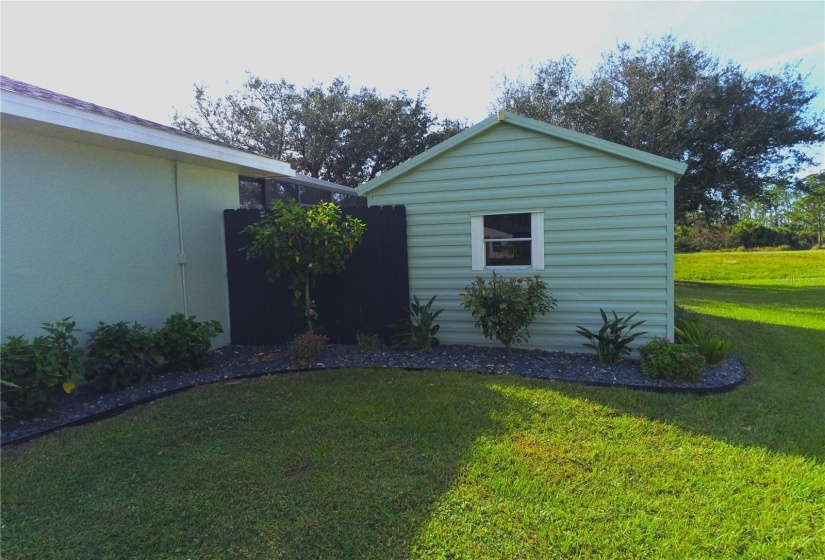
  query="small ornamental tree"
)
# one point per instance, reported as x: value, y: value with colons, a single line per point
x: 304, y: 243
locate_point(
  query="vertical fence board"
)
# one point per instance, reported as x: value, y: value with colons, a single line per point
x: 371, y: 293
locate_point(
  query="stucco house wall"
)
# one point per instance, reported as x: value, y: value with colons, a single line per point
x: 604, y: 215
x: 93, y: 211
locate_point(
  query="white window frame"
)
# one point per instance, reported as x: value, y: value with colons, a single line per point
x: 536, y: 241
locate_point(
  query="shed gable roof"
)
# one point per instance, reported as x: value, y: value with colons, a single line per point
x: 669, y: 165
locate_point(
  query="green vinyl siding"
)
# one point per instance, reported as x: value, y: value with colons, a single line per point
x: 607, y: 229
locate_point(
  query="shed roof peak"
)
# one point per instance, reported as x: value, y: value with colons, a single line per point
x: 500, y: 117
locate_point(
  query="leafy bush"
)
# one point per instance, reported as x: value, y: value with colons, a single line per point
x: 663, y: 359
x: 184, y: 342
x: 368, y: 342
x: 418, y: 330
x: 505, y: 307
x: 703, y: 340
x: 119, y: 355
x: 751, y: 233
x: 34, y: 373
x: 613, y: 338
x: 306, y: 347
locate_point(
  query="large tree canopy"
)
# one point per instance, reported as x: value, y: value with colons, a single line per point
x: 331, y: 133
x: 736, y: 130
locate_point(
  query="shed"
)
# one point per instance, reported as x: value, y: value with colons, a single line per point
x: 109, y: 217
x: 517, y: 196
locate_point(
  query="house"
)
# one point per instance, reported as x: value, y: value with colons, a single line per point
x: 517, y: 196
x: 108, y: 217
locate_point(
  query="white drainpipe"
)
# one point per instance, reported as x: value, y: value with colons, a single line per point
x: 182, y: 253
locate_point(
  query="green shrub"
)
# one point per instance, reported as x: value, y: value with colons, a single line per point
x: 368, y: 342
x: 662, y: 359
x: 613, y: 338
x: 35, y: 373
x: 505, y: 307
x: 120, y: 355
x: 751, y: 233
x: 306, y: 347
x: 418, y: 330
x: 683, y: 241
x: 184, y: 343
x: 703, y: 340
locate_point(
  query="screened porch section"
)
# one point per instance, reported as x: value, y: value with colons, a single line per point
x: 307, y: 191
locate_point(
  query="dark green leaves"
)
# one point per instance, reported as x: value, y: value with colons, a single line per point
x: 419, y: 329
x: 35, y: 373
x: 330, y: 132
x: 184, y: 342
x: 505, y: 307
x: 120, y: 355
x: 703, y: 340
x: 613, y: 338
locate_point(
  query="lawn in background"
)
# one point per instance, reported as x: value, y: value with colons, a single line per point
x: 747, y: 268
x: 369, y: 463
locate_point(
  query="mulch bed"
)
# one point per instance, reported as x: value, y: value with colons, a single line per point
x: 238, y: 362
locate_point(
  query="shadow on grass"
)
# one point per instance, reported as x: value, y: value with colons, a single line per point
x: 794, y: 293
x: 779, y: 408
x: 337, y: 464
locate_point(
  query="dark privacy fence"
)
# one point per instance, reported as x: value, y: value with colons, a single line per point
x: 371, y: 293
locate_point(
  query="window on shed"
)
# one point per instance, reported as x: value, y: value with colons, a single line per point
x: 508, y: 241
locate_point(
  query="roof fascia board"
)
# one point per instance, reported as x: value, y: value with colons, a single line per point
x: 596, y: 143
x: 427, y: 155
x: 68, y: 117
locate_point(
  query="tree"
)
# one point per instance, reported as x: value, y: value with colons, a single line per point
x: 735, y: 130
x: 770, y: 207
x: 304, y: 243
x: 808, y: 213
x: 331, y: 133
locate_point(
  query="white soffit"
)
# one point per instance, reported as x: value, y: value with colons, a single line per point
x: 50, y: 119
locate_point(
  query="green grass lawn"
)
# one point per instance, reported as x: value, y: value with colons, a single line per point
x: 367, y: 463
x: 790, y: 269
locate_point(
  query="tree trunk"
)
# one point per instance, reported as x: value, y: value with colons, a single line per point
x: 307, y: 302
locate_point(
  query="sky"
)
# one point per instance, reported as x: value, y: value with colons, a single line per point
x: 143, y: 58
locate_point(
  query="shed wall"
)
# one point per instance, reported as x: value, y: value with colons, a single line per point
x: 607, y: 230
x: 92, y: 233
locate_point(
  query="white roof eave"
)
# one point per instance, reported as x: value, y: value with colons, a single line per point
x: 83, y: 126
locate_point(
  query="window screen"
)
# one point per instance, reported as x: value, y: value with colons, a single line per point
x: 507, y: 240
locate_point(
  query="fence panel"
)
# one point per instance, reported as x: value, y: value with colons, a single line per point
x: 371, y: 293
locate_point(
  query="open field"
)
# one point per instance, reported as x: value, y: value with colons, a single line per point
x: 393, y: 464
x: 790, y: 269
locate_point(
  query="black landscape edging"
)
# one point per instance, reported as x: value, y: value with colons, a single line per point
x: 699, y: 391
x: 123, y: 407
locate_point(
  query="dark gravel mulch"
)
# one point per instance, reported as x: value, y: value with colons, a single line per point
x: 237, y: 362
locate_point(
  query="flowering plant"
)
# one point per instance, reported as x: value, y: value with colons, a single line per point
x: 664, y: 359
